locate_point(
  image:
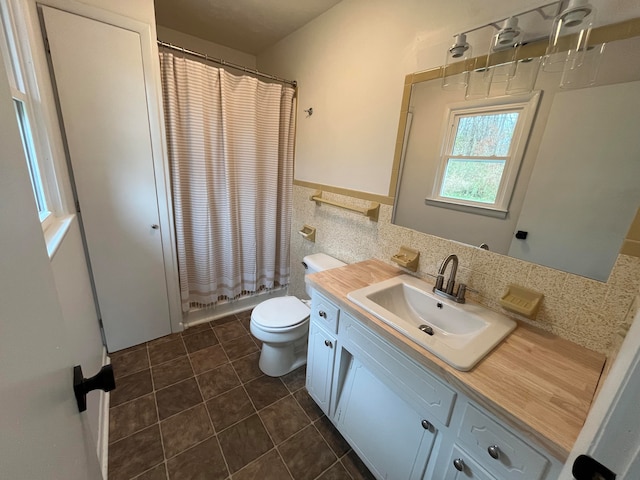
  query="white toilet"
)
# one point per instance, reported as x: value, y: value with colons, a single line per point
x: 282, y: 324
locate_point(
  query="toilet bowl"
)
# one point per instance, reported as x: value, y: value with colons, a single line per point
x: 282, y: 324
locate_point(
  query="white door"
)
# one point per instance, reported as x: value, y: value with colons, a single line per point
x: 611, y: 434
x: 43, y: 436
x: 100, y: 83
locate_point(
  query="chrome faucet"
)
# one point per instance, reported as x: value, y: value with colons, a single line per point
x: 448, y: 291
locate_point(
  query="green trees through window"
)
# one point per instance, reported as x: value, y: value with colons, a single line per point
x: 478, y: 155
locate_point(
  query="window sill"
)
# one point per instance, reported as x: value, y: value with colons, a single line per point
x: 55, y: 232
x: 476, y: 209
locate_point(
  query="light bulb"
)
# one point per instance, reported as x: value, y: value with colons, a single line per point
x: 457, y: 49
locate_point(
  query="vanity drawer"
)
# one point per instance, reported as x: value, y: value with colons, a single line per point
x: 498, y: 450
x: 324, y: 312
x: 411, y: 381
x: 461, y: 466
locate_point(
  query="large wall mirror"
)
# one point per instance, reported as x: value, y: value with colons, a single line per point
x: 577, y: 187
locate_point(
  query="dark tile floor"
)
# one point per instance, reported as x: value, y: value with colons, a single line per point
x: 195, y: 405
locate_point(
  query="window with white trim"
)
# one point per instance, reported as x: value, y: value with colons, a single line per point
x: 16, y: 54
x: 481, y: 154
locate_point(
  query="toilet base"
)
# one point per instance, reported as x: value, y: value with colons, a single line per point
x: 277, y: 360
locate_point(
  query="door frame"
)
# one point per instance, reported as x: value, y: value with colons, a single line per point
x: 617, y: 396
x: 151, y: 68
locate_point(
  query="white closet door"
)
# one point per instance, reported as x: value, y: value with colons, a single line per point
x: 100, y: 83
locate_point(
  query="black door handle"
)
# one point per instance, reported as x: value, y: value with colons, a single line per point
x: 586, y: 468
x: 103, y: 380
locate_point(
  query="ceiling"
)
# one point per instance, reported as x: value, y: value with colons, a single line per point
x: 250, y: 26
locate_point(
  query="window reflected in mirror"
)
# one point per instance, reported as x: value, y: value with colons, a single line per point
x: 575, y: 190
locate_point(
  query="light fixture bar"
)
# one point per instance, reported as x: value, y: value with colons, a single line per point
x: 496, y: 23
x: 502, y: 62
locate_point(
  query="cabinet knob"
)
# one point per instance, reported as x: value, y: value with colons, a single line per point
x: 426, y: 424
x: 458, y: 463
x: 155, y: 226
x: 328, y: 343
x: 322, y: 313
x: 494, y: 451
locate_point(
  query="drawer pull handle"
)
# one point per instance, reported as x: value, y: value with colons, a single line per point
x: 494, y: 451
x: 322, y: 313
x: 426, y: 425
x: 328, y: 343
x: 458, y: 463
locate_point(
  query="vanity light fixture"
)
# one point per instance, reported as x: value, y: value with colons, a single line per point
x: 460, y: 46
x: 501, y: 60
x: 567, y: 48
x: 507, y: 35
x: 575, y: 13
x: 460, y: 51
x: 569, y: 37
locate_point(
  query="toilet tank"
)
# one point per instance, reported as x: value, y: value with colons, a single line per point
x: 317, y: 263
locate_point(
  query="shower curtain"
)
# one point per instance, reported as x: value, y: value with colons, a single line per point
x: 230, y: 146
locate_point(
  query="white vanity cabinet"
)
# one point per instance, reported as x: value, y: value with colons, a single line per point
x: 349, y: 375
x: 403, y: 421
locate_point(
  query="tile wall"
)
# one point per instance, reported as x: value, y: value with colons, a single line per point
x: 588, y: 312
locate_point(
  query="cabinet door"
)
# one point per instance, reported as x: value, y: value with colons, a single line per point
x: 388, y: 435
x: 320, y: 356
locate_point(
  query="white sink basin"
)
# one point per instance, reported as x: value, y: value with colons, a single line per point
x: 459, y: 334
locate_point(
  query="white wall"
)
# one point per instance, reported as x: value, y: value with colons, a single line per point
x: 199, y: 45
x: 350, y: 65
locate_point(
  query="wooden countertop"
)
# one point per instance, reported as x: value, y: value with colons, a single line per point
x: 537, y: 382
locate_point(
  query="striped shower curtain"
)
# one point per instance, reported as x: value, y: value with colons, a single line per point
x: 230, y: 144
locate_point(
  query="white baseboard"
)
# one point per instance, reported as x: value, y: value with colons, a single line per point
x: 204, y: 315
x: 103, y: 424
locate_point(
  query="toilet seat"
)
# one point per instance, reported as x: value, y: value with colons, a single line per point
x: 280, y: 313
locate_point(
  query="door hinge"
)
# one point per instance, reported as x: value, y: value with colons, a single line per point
x: 77, y: 206
x: 46, y: 45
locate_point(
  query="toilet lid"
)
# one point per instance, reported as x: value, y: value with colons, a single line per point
x: 280, y: 312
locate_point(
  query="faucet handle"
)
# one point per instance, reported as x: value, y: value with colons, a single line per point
x: 462, y: 290
x: 469, y: 289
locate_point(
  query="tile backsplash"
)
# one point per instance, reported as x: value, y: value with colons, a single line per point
x: 588, y: 312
